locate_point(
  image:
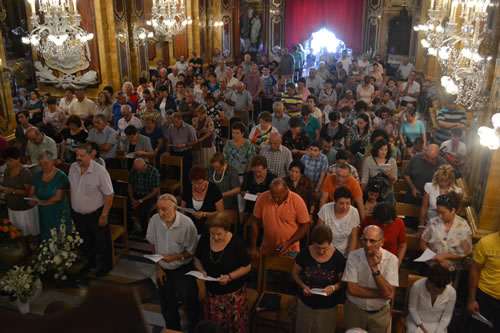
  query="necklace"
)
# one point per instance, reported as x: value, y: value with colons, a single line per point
x: 50, y: 174
x: 218, y: 260
x: 222, y: 177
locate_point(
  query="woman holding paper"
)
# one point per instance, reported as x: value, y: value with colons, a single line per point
x: 448, y: 234
x: 431, y: 302
x: 380, y: 166
x: 224, y: 256
x: 203, y: 197
x: 17, y: 183
x: 51, y: 186
x: 318, y: 272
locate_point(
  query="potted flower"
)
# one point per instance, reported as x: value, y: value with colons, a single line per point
x: 22, y: 286
x: 58, y: 254
x: 11, y: 246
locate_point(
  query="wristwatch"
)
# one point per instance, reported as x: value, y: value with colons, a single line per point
x: 376, y: 273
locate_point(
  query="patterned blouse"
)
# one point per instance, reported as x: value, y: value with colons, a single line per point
x: 299, y: 142
x: 456, y: 240
x: 356, y: 137
x: 203, y: 127
x: 239, y: 157
x: 214, y: 112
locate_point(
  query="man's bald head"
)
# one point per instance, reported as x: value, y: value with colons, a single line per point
x: 373, y: 230
x: 34, y: 135
x: 433, y: 151
x: 140, y: 165
x: 279, y: 190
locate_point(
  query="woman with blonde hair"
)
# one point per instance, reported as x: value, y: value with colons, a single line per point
x: 128, y: 89
x: 443, y: 182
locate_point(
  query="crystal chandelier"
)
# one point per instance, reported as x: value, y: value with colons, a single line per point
x: 59, y: 39
x: 490, y: 137
x: 168, y: 18
x: 456, y: 42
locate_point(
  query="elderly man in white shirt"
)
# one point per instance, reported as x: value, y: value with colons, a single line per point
x: 372, y: 277
x: 410, y: 90
x: 182, y: 65
x: 174, y: 237
x: 232, y: 82
x: 127, y: 119
x: 278, y: 156
x: 91, y: 199
x: 315, y: 82
x: 404, y: 69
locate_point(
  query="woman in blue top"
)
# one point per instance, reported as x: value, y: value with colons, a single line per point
x: 411, y: 129
x: 309, y: 124
x: 51, y: 186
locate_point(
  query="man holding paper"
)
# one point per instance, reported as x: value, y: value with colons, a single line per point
x: 174, y: 236
x: 372, y: 277
x: 484, y: 287
x: 284, y: 217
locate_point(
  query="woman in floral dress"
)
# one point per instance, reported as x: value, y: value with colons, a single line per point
x: 215, y: 112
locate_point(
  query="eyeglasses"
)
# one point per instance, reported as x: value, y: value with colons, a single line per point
x: 372, y: 241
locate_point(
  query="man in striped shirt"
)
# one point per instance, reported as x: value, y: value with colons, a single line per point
x: 447, y: 119
x: 292, y: 100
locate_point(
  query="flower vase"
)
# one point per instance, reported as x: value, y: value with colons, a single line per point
x: 24, y: 307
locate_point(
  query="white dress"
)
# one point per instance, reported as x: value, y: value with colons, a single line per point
x: 435, y: 317
x: 341, y: 228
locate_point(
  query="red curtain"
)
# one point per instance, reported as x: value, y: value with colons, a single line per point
x: 343, y: 17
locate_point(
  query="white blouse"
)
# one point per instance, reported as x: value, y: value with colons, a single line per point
x: 433, y: 192
x: 341, y: 228
x: 435, y: 317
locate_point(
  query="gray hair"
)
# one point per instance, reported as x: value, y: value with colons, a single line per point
x: 126, y: 107
x: 120, y: 94
x: 87, y: 147
x: 45, y: 153
x: 372, y: 226
x: 168, y: 197
x: 101, y: 116
x: 277, y: 105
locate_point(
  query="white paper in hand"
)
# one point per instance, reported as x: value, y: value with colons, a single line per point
x: 154, y: 257
x: 130, y: 155
x: 318, y: 291
x: 482, y: 319
x: 31, y: 199
x: 250, y: 197
x: 200, y: 276
x: 187, y: 210
x: 427, y: 255
x: 383, y: 167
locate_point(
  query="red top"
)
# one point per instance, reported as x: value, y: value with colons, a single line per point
x: 133, y: 99
x: 394, y: 233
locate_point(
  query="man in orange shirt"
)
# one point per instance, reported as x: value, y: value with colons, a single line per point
x: 284, y: 217
x: 343, y: 178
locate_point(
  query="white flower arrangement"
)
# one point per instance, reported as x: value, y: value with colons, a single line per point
x: 58, y: 253
x: 20, y: 283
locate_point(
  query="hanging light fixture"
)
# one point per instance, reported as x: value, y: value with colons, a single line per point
x: 59, y: 39
x: 456, y: 41
x: 168, y: 18
x: 490, y: 137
